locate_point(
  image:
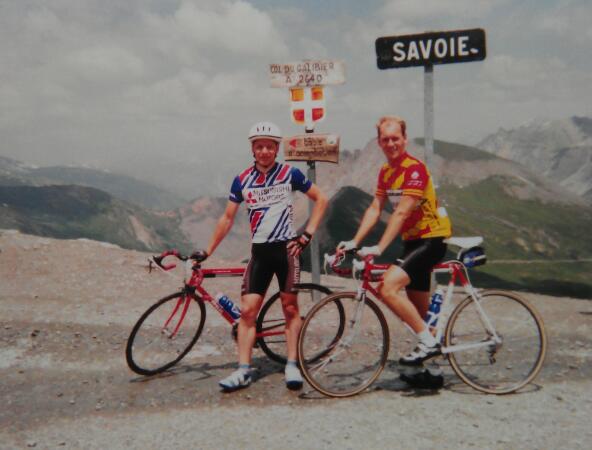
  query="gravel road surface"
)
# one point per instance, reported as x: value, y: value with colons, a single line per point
x: 67, y: 307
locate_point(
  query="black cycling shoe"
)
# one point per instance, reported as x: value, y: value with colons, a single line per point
x: 423, y: 380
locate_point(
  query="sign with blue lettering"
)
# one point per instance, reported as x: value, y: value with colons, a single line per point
x: 443, y: 47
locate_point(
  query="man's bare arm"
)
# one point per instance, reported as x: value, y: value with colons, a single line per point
x: 223, y: 226
x: 320, y: 205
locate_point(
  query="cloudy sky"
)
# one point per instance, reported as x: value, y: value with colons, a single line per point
x: 169, y: 88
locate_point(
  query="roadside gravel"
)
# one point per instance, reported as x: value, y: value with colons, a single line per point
x: 67, y: 306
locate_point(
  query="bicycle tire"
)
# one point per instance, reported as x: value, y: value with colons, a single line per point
x: 148, y: 350
x: 271, y: 317
x: 349, y: 366
x: 497, y: 368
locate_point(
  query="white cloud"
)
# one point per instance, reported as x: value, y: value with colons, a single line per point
x: 566, y: 20
x: 413, y: 10
x: 42, y: 21
x: 105, y: 64
x: 523, y: 78
x: 237, y: 26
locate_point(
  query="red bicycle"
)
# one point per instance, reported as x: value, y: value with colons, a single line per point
x: 168, y: 330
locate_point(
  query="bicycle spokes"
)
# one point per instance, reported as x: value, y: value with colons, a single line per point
x: 343, y: 345
x: 502, y: 358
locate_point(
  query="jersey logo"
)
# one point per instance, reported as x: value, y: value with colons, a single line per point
x: 250, y: 199
x: 415, y: 175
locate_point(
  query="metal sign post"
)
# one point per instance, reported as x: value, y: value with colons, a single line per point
x: 428, y: 113
x: 315, y: 267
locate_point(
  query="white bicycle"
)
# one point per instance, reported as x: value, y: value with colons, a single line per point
x: 495, y: 340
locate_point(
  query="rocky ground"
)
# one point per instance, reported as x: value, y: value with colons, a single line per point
x: 67, y: 307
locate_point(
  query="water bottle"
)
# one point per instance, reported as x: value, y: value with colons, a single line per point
x: 431, y: 318
x: 228, y: 306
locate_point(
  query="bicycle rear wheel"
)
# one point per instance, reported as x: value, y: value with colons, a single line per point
x: 165, y: 333
x: 350, y: 364
x: 496, y: 367
x: 271, y: 322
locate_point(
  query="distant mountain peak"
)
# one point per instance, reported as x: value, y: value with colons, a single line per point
x: 560, y: 149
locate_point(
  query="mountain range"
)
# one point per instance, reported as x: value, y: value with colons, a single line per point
x: 534, y: 225
x: 560, y: 150
x: 142, y: 193
x: 72, y: 211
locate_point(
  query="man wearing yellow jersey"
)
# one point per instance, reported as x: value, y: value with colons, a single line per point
x: 406, y: 182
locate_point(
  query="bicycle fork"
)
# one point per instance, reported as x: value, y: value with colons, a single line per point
x: 354, y: 325
x: 185, y: 300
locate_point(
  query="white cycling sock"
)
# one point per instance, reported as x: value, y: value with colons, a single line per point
x: 426, y: 338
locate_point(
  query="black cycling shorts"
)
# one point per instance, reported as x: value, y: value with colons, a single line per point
x: 267, y: 260
x: 419, y: 257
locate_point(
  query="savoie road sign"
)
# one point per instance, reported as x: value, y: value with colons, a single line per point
x: 307, y: 73
x: 442, y: 47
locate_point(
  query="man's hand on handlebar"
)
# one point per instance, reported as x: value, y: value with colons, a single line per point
x: 346, y: 246
x: 369, y: 251
x: 199, y: 256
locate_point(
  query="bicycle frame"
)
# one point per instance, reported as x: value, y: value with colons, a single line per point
x: 457, y: 271
x: 194, y: 276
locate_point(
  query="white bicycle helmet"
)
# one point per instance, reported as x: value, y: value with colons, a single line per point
x: 265, y: 130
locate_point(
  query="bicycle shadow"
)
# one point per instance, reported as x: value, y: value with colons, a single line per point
x: 388, y: 381
x: 262, y: 368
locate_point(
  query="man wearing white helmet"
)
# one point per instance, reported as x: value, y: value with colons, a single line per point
x: 266, y: 187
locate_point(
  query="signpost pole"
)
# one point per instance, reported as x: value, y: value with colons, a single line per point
x: 315, y: 267
x: 428, y: 129
x: 428, y: 114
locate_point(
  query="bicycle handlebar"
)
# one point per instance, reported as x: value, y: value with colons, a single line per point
x: 173, y: 252
x: 336, y: 259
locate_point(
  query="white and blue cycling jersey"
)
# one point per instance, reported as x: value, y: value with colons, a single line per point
x: 269, y: 200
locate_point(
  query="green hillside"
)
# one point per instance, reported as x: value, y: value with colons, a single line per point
x: 70, y: 212
x: 532, y: 245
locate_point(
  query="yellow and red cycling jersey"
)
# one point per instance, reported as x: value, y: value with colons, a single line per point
x: 411, y: 177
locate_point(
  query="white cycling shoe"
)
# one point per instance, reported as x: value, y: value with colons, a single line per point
x: 293, y: 377
x: 421, y: 353
x: 239, y: 379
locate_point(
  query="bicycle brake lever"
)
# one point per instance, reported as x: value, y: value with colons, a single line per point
x: 158, y: 261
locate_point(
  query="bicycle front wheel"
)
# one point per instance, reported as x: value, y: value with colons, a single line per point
x: 165, y: 333
x: 271, y: 323
x: 501, y: 342
x: 348, y: 365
